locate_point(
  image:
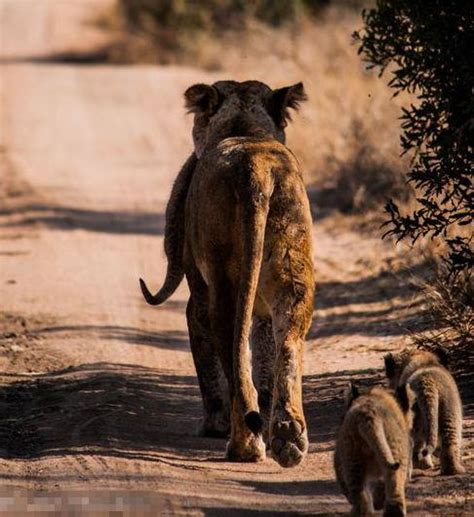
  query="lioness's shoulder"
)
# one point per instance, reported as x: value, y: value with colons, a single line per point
x: 251, y: 144
x: 256, y: 150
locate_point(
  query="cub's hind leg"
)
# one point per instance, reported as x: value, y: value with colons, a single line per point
x: 357, y: 493
x: 428, y: 403
x: 212, y: 383
x: 421, y: 460
x: 263, y: 365
x: 451, y: 440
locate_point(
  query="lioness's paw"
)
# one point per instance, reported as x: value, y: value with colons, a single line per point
x: 253, y: 450
x: 452, y: 469
x: 216, y: 425
x: 378, y: 495
x: 394, y: 509
x: 424, y: 461
x: 289, y: 442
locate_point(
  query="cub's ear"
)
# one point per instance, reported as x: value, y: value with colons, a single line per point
x: 406, y: 397
x: 442, y: 356
x: 202, y: 98
x: 283, y: 99
x: 390, y: 365
x: 350, y: 394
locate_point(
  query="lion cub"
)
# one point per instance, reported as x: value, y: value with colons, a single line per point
x: 373, y: 449
x: 438, y: 410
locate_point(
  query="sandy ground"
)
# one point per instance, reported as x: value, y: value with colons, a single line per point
x: 98, y: 394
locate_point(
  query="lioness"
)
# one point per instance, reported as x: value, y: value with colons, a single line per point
x: 243, y: 240
x: 373, y: 449
x: 439, y: 407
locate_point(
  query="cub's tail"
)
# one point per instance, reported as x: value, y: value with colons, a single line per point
x: 373, y: 432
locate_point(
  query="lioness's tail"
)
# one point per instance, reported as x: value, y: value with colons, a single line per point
x: 373, y: 432
x: 174, y: 235
x: 254, y: 217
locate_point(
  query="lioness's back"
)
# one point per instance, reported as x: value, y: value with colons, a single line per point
x: 237, y: 156
x: 239, y: 172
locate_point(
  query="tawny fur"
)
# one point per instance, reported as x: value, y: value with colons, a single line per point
x: 373, y: 450
x: 438, y: 418
x: 247, y: 254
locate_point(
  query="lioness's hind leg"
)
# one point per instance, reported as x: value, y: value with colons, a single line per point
x: 288, y: 432
x: 212, y: 383
x: 243, y: 445
x: 263, y: 365
x: 378, y: 494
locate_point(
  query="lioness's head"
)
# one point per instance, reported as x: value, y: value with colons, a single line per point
x: 230, y: 108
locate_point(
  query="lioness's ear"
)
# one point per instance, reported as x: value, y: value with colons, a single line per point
x: 202, y: 98
x: 406, y: 397
x: 442, y: 356
x: 283, y: 99
x: 390, y: 365
x: 350, y: 394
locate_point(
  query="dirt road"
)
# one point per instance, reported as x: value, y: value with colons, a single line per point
x: 98, y: 392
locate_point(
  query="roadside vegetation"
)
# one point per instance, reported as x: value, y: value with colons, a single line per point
x: 173, y: 30
x: 428, y: 47
x: 425, y: 48
x: 450, y: 304
x: 342, y: 150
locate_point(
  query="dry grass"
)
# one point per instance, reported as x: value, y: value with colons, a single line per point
x: 450, y: 303
x: 347, y: 135
x: 367, y: 179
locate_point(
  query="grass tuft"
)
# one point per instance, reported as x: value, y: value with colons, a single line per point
x: 367, y: 179
x: 450, y: 300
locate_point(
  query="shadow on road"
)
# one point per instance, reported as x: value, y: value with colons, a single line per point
x: 399, y: 308
x: 106, y: 409
x: 140, y: 413
x: 133, y: 412
x: 323, y: 402
x: 169, y: 340
x: 99, y: 56
x: 68, y: 218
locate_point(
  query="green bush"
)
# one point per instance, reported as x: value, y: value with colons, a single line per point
x: 428, y: 47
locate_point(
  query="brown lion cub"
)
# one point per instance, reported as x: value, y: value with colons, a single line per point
x: 238, y: 226
x: 438, y: 409
x: 373, y: 449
